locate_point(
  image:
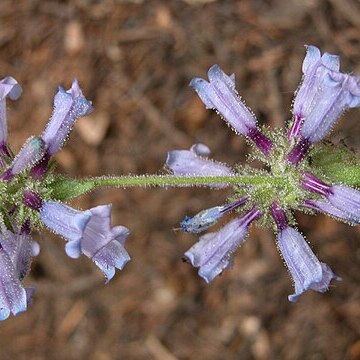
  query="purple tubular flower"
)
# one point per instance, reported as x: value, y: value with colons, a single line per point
x: 344, y: 198
x: 314, y: 68
x: 13, y: 297
x: 209, y: 217
x: 8, y: 88
x: 104, y: 244
x: 213, y: 252
x: 306, y: 270
x: 324, y: 94
x: 188, y: 162
x: 69, y: 105
x: 32, y: 152
x: 89, y: 233
x: 220, y: 94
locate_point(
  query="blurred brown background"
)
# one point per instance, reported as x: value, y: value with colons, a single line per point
x: 134, y: 59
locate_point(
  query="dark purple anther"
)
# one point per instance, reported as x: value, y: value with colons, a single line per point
x: 298, y: 152
x: 32, y: 200
x: 295, y: 130
x: 279, y: 216
x: 261, y: 141
x: 313, y: 184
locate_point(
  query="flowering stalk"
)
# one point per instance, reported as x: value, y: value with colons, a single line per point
x: 295, y: 176
x: 178, y: 181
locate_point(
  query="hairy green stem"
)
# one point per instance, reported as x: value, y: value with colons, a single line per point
x: 64, y: 188
x: 176, y: 181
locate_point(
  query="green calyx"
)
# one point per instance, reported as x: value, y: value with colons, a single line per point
x: 13, y: 211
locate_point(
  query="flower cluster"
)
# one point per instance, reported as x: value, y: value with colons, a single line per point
x: 294, y: 184
x: 33, y: 196
x: 29, y: 202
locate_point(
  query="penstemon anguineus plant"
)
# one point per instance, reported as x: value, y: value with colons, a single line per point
x: 299, y: 173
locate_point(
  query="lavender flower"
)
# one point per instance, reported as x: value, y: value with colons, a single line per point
x: 29, y: 202
x: 212, y: 254
x: 104, y: 244
x: 324, y: 94
x: 306, y: 270
x: 69, y: 105
x: 315, y: 68
x: 220, y: 94
x: 87, y: 232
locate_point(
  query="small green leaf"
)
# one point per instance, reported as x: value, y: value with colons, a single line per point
x: 64, y: 188
x: 338, y: 163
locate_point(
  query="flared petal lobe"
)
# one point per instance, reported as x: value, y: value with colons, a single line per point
x: 90, y: 233
x: 103, y: 244
x: 113, y: 255
x: 68, y: 107
x: 213, y: 252
x: 306, y: 270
